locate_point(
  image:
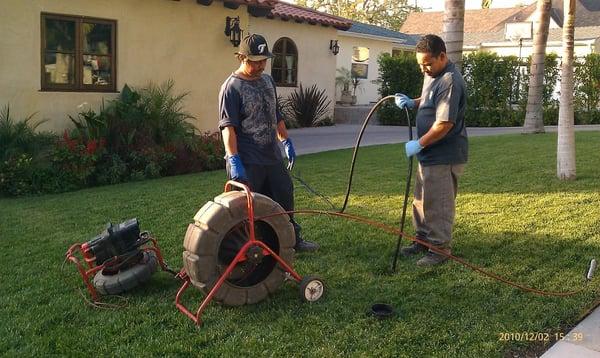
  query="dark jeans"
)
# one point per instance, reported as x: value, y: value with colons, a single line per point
x: 275, y: 182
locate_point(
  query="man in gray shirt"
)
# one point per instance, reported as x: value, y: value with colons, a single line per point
x: 441, y: 148
x: 252, y: 126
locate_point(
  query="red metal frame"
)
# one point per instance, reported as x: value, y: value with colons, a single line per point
x: 241, y: 256
x: 92, y: 268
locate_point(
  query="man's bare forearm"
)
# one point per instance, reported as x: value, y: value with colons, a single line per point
x: 437, y: 131
x: 229, y: 140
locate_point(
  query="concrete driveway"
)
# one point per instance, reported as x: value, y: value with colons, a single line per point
x: 340, y: 136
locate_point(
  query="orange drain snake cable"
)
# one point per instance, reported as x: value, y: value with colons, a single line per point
x: 462, y: 261
x: 399, y: 232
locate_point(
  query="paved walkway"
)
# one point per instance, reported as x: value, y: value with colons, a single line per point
x: 321, y: 139
x: 583, y: 341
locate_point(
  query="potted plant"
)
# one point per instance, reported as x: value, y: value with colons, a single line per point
x: 344, y: 80
x: 356, y: 82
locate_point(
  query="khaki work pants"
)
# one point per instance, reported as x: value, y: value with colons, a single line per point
x: 434, y: 202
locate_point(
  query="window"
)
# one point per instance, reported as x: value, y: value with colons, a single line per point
x: 402, y: 53
x: 78, y: 53
x: 360, y: 54
x: 360, y: 62
x: 284, y: 68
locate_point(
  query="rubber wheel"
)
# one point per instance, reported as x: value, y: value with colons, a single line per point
x: 219, y: 231
x: 127, y: 279
x: 311, y: 288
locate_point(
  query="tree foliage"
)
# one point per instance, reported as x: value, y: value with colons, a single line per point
x: 390, y: 14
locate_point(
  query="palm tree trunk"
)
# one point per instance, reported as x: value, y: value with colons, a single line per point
x: 454, y: 25
x: 565, y: 153
x: 534, y: 122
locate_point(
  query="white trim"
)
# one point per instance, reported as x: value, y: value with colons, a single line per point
x: 529, y: 43
x: 395, y: 41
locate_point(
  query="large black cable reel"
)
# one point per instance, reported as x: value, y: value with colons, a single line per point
x: 219, y: 231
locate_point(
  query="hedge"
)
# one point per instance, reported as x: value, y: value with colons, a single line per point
x: 497, y: 88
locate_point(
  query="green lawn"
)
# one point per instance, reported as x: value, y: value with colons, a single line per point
x: 513, y: 217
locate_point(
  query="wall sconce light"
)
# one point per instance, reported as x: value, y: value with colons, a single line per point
x: 334, y: 47
x: 233, y: 31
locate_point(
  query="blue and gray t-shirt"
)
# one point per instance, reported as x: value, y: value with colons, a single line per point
x: 443, y: 98
x: 251, y: 107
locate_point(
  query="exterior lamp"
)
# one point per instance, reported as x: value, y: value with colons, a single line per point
x: 334, y: 47
x: 233, y: 31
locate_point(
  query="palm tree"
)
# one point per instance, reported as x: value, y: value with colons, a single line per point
x: 565, y: 153
x: 534, y: 115
x: 454, y: 25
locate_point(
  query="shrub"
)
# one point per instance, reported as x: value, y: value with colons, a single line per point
x: 164, y: 117
x: 141, y: 134
x: 152, y: 116
x: 397, y: 75
x: 209, y: 148
x: 496, y: 88
x: 24, y: 155
x: 77, y: 159
x: 145, y: 131
x: 492, y: 88
x: 16, y: 175
x: 111, y: 170
x: 307, y: 106
x: 282, y: 107
x: 17, y: 138
x: 587, y: 89
x: 551, y: 78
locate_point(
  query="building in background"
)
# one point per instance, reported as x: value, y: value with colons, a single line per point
x: 509, y: 31
x: 57, y: 55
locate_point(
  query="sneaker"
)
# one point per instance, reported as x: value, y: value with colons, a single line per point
x: 305, y: 246
x: 432, y: 259
x: 413, y: 249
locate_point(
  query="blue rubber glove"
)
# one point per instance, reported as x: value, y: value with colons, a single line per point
x: 236, y: 168
x: 403, y: 101
x: 290, y: 153
x: 413, y: 147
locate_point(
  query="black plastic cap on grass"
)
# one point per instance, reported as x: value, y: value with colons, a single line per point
x: 382, y: 310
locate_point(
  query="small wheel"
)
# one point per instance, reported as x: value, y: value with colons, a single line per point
x: 311, y: 288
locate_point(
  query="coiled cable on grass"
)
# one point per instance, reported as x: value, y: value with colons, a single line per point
x: 462, y: 261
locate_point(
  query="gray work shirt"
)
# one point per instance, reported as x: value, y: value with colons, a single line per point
x: 251, y: 107
x: 444, y: 99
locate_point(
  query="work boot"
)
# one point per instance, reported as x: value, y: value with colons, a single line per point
x: 413, y: 249
x: 305, y: 246
x: 432, y: 259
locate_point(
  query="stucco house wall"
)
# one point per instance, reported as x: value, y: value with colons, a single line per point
x: 316, y: 63
x: 368, y: 90
x: 157, y: 40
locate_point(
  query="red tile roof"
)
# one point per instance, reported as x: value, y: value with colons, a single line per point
x: 483, y: 20
x: 286, y: 11
x: 259, y: 3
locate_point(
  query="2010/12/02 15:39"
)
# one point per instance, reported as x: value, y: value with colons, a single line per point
x: 540, y: 336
